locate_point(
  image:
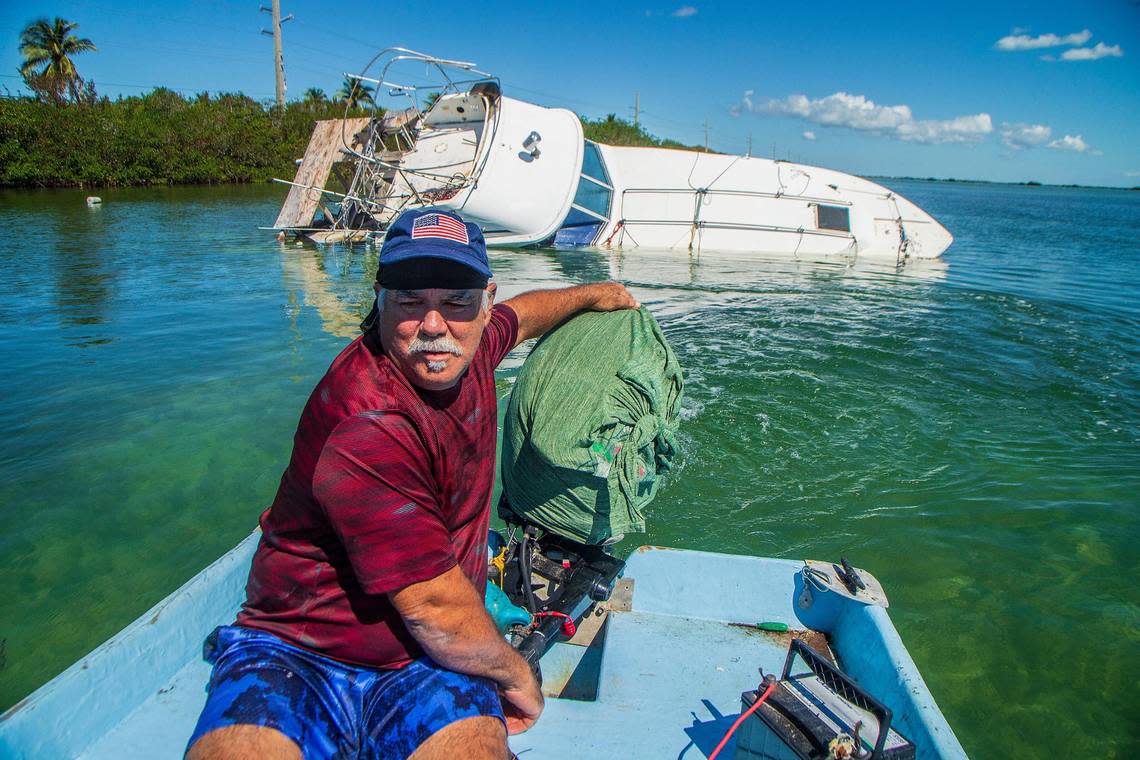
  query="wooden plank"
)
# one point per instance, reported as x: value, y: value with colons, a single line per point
x: 323, y: 151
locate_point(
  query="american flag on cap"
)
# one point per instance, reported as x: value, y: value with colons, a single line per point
x: 440, y: 226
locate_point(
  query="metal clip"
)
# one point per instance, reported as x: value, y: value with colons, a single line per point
x: 805, y: 599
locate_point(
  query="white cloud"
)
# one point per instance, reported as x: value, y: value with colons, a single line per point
x: 745, y: 104
x: 809, y: 135
x: 858, y: 112
x: 959, y: 129
x: 1019, y: 135
x: 1132, y: 174
x: 1019, y: 41
x: 1075, y: 144
x: 1091, y: 54
x: 684, y: 12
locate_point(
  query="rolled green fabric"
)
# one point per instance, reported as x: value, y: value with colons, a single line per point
x: 590, y: 426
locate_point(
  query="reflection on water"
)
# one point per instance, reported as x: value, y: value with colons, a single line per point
x: 84, y: 279
x: 307, y: 269
x: 336, y: 280
x: 967, y: 429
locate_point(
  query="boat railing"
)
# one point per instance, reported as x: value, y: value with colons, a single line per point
x: 746, y: 193
x: 382, y: 183
x: 702, y: 224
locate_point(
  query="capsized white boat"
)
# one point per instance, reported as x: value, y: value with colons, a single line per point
x: 527, y: 175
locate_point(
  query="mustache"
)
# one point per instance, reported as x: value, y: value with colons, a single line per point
x: 435, y: 346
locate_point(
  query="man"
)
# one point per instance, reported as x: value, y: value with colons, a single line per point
x: 364, y: 633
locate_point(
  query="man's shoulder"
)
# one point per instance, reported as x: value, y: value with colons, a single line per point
x: 499, y: 336
x: 505, y: 318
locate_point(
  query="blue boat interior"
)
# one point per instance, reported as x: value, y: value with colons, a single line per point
x: 659, y: 673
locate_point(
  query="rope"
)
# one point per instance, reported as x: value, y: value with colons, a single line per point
x: 620, y: 224
x: 500, y: 564
x: 904, y: 243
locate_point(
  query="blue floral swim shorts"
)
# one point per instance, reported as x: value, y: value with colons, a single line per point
x: 330, y: 709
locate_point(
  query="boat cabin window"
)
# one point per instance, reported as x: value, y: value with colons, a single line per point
x: 836, y: 218
x: 593, y: 197
x: 594, y: 189
x: 592, y: 165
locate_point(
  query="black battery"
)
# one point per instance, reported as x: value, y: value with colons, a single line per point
x: 816, y: 711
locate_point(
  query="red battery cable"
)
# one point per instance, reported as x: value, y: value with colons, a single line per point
x: 568, y: 626
x: 741, y: 719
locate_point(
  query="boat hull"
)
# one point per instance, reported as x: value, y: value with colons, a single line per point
x: 666, y: 198
x: 663, y: 674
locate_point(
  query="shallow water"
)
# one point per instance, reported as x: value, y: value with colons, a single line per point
x: 968, y: 430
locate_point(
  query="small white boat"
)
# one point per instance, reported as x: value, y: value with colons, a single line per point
x: 526, y: 174
x: 659, y: 670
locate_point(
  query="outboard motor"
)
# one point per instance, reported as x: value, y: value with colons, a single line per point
x: 556, y: 580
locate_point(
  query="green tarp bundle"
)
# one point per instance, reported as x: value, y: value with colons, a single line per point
x: 590, y: 426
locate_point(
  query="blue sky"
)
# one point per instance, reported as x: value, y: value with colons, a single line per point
x: 999, y: 91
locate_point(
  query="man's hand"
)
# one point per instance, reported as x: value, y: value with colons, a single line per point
x: 522, y: 705
x: 541, y: 310
x: 610, y: 296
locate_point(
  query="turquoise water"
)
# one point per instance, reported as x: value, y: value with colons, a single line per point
x: 967, y: 430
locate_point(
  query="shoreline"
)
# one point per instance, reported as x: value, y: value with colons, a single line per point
x: 1025, y: 183
x: 270, y: 181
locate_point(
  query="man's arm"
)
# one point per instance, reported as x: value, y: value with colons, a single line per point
x: 447, y: 618
x: 541, y: 310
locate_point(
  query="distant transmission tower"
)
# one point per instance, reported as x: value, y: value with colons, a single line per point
x: 278, y: 58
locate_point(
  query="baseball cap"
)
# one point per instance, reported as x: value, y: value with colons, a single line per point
x: 430, y: 248
x: 433, y: 247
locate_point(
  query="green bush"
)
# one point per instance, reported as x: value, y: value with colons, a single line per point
x: 164, y: 138
x: 614, y: 131
x: 157, y: 138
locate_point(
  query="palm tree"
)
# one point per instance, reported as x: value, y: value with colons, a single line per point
x: 355, y: 93
x: 47, y: 47
x: 314, y: 95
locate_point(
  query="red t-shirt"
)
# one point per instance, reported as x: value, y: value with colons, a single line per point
x: 388, y: 485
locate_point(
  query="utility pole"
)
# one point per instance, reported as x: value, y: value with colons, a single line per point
x: 636, y: 109
x: 278, y: 58
x: 750, y: 145
x: 706, y: 135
